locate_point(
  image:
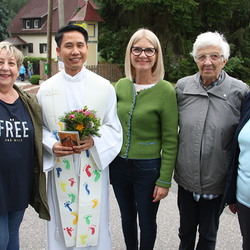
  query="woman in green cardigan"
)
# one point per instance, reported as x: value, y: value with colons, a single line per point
x: 141, y: 174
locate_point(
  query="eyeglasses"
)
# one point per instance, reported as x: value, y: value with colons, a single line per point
x: 213, y: 57
x: 136, y: 51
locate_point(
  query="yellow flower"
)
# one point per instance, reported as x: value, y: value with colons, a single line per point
x: 80, y: 127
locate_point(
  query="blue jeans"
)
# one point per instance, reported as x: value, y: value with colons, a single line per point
x: 203, y: 215
x: 9, y: 230
x: 133, y: 183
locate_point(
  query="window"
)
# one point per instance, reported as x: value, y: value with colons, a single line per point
x: 36, y: 23
x: 33, y: 23
x: 92, y: 30
x: 30, y: 47
x: 27, y: 24
x: 43, y: 48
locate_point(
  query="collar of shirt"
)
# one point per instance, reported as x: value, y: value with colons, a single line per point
x: 211, y: 85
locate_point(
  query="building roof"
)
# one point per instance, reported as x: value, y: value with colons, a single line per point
x: 87, y: 13
x: 15, y: 40
x: 80, y: 10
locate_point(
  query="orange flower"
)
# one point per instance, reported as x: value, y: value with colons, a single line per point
x: 80, y: 127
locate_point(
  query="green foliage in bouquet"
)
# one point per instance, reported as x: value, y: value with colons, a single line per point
x: 83, y: 120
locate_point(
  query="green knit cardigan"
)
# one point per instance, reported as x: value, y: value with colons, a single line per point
x: 149, y: 120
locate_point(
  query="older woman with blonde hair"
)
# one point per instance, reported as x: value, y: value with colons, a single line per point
x: 22, y: 180
x: 142, y: 172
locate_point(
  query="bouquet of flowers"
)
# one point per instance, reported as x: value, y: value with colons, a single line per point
x: 84, y: 121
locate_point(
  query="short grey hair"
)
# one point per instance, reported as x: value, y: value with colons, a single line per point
x: 208, y: 39
x: 11, y: 50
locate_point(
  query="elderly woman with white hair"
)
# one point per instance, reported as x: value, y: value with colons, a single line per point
x: 209, y: 105
x: 142, y: 173
x: 22, y: 180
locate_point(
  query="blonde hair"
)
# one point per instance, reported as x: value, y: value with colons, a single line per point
x: 11, y: 50
x: 158, y: 68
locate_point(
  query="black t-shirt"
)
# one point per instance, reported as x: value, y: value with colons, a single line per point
x: 16, y: 156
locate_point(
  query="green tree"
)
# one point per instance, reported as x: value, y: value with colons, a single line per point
x: 8, y: 10
x: 15, y: 5
x: 4, y: 20
x: 177, y: 24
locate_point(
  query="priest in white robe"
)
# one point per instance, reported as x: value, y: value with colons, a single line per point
x: 72, y: 89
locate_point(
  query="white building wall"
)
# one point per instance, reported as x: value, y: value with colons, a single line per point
x: 38, y: 39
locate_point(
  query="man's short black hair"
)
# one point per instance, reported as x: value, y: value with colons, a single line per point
x: 68, y: 28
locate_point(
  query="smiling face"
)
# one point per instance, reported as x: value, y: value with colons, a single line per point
x: 143, y: 63
x: 73, y: 51
x: 210, y: 69
x: 8, y: 69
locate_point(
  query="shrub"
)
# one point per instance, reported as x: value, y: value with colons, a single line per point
x: 238, y: 67
x: 35, y: 61
x: 185, y: 67
x: 35, y: 79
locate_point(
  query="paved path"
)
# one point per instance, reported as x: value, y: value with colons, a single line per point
x: 27, y: 86
x: 33, y: 229
x: 33, y: 236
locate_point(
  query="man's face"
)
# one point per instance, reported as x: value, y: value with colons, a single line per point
x: 73, y: 51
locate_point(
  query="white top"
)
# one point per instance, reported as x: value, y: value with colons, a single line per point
x: 139, y: 87
x: 105, y: 149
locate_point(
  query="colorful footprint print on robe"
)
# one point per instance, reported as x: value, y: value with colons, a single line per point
x: 76, y: 218
x: 55, y: 133
x: 92, y: 229
x: 83, y: 237
x: 58, y: 171
x: 67, y: 164
x: 87, y: 219
x: 95, y: 203
x: 86, y: 186
x: 63, y: 185
x: 87, y: 170
x: 69, y: 230
x: 73, y: 197
x: 67, y: 205
x: 97, y: 174
x: 72, y: 181
x: 61, y: 126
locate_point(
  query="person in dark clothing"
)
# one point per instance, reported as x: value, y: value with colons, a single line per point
x: 22, y: 180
